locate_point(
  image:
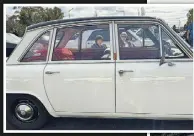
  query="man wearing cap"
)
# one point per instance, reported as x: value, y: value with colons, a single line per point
x: 98, y: 42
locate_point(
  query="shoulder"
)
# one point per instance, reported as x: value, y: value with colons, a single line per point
x: 94, y: 45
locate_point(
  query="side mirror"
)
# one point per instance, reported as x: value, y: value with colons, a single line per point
x: 162, y: 60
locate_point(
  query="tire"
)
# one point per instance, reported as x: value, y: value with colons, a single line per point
x: 39, y: 115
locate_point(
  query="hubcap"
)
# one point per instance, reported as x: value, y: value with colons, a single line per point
x: 24, y: 111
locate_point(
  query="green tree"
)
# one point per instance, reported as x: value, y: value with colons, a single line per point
x: 25, y: 16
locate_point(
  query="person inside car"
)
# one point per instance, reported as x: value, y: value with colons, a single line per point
x: 124, y: 41
x: 99, y: 48
x: 98, y: 42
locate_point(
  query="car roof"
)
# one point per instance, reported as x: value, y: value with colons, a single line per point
x: 54, y: 22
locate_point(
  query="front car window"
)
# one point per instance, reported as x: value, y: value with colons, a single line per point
x: 170, y: 48
x: 138, y: 42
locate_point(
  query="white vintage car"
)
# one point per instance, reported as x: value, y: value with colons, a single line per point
x: 58, y: 70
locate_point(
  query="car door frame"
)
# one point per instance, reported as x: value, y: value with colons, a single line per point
x: 161, y: 27
x: 84, y: 23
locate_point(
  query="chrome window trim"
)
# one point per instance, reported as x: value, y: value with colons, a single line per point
x: 111, y: 40
x: 160, y: 40
x: 154, y: 60
x: 116, y: 41
x: 93, y: 21
x: 162, y: 27
x: 83, y: 61
x: 52, y: 45
x: 80, y: 23
x: 138, y: 23
x: 101, y: 62
x: 32, y: 43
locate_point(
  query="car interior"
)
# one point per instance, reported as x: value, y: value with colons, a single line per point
x: 142, y: 52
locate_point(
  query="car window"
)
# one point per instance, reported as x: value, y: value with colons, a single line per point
x: 39, y: 49
x: 138, y: 42
x: 80, y: 43
x: 170, y: 48
x: 96, y: 43
x: 67, y: 44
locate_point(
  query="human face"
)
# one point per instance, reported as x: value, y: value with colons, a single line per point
x: 99, y: 42
x: 123, y: 38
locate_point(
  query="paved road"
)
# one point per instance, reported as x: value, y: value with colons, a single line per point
x: 113, y: 124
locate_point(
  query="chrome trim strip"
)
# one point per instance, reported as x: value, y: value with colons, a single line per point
x: 111, y: 40
x: 160, y: 41
x: 80, y: 23
x: 117, y: 41
x: 49, y: 47
x: 82, y: 62
x: 103, y: 62
x: 153, y: 60
x: 52, y: 45
x: 95, y: 21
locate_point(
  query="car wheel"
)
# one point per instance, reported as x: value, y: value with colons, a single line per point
x: 25, y: 112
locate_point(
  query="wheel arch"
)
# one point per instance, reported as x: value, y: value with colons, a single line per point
x: 45, y: 102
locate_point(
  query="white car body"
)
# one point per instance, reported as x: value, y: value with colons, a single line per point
x: 90, y: 88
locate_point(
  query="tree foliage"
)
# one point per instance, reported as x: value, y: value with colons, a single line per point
x: 25, y: 16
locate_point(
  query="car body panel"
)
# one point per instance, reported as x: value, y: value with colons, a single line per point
x: 155, y: 89
x: 28, y: 80
x: 96, y: 89
x: 89, y: 89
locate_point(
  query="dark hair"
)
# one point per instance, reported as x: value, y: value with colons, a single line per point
x: 98, y: 37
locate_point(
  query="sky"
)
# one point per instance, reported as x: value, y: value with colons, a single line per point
x: 173, y: 15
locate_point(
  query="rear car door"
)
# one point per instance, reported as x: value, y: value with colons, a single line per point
x: 77, y: 78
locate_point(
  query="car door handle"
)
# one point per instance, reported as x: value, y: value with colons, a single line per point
x: 51, y: 72
x: 123, y: 71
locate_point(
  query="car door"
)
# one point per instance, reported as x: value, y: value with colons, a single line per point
x: 74, y: 81
x: 143, y: 86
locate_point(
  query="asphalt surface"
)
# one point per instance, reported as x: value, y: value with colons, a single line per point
x: 113, y: 124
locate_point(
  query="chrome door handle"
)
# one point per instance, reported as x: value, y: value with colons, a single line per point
x: 123, y: 71
x: 51, y: 72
